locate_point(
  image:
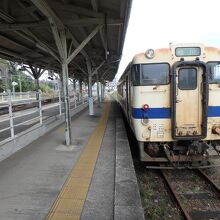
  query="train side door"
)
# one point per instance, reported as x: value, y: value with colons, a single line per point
x: 189, y: 107
x: 127, y: 96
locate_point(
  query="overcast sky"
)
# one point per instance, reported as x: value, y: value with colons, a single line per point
x: 156, y: 23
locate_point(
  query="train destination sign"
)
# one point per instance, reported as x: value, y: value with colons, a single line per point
x: 188, y: 51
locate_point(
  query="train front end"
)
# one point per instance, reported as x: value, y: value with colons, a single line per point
x: 175, y: 106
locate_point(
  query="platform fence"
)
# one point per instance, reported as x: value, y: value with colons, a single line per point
x: 37, y: 110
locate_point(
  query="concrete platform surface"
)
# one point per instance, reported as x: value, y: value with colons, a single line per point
x: 32, y: 178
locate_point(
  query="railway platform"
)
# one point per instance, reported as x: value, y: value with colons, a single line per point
x: 94, y: 178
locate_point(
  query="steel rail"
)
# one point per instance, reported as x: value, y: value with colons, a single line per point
x: 207, y: 178
x: 182, y: 168
x: 175, y: 195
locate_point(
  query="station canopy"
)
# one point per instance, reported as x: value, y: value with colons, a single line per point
x: 30, y: 33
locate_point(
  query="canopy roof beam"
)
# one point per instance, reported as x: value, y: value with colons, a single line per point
x: 103, y: 36
x: 97, y: 68
x: 48, y: 12
x: 81, y: 69
x: 22, y: 26
x: 83, y: 44
x: 12, y: 53
x: 92, y: 21
x: 78, y: 10
x: 41, y: 45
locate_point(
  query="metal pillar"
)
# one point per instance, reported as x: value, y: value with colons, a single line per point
x: 74, y: 87
x: 102, y: 92
x: 103, y: 87
x: 60, y: 39
x: 66, y: 104
x: 40, y: 107
x: 37, y: 87
x: 98, y: 95
x: 59, y: 33
x: 59, y: 94
x: 20, y: 88
x: 76, y: 95
x: 10, y: 115
x: 80, y: 89
x: 91, y: 107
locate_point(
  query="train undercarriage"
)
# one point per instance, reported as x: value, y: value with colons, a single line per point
x: 180, y: 153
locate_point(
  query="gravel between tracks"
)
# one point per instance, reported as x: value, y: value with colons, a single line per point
x: 157, y: 202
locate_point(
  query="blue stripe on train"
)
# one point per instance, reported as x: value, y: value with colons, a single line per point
x: 139, y: 113
x: 214, y: 111
x: 157, y: 113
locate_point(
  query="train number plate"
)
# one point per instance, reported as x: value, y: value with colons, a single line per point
x: 158, y: 131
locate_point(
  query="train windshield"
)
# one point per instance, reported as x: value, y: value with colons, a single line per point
x: 187, y: 79
x: 214, y: 72
x: 150, y: 74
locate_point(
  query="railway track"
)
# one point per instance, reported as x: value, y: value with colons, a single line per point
x: 196, y: 194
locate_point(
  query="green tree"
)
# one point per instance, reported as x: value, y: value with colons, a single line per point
x: 27, y: 83
x: 45, y: 88
x: 1, y: 86
x: 4, y: 75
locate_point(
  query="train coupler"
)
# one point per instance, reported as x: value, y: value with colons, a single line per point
x: 169, y: 155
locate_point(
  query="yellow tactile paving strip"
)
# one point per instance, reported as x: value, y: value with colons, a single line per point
x: 70, y: 201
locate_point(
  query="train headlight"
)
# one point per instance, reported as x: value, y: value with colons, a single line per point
x: 150, y: 53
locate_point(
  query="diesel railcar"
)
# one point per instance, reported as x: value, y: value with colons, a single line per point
x: 171, y: 100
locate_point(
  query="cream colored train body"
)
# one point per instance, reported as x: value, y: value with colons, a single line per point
x: 171, y: 99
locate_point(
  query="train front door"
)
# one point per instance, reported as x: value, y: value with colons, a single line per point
x: 189, y: 108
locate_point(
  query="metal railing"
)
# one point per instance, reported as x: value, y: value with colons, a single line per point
x: 74, y: 103
x: 17, y: 96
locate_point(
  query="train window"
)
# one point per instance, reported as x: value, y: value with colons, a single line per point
x: 135, y: 71
x: 187, y: 79
x: 214, y: 72
x: 150, y: 74
x: 154, y: 74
